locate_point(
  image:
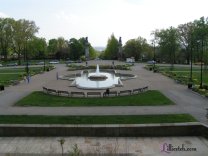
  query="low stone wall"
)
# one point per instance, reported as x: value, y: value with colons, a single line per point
x: 140, y: 130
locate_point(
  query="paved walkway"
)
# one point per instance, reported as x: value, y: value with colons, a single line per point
x: 134, y: 146
x: 186, y: 100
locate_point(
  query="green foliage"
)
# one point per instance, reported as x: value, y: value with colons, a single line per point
x: 173, y: 45
x: 182, y: 75
x: 82, y: 67
x: 169, y: 42
x: 111, y: 51
x: 58, y: 48
x: 93, y: 52
x: 75, y: 151
x: 52, y: 46
x: 6, y: 35
x: 62, y: 141
x: 186, y: 39
x: 37, y: 47
x: 15, y: 35
x: 9, y: 76
x: 24, y: 30
x: 136, y: 48
x: 76, y: 49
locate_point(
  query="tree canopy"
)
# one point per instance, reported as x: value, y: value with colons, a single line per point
x: 171, y: 45
x: 111, y: 51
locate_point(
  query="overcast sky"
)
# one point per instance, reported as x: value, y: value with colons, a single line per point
x: 98, y: 19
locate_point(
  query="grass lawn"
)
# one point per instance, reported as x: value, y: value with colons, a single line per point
x: 175, y: 68
x: 7, y: 75
x: 149, y: 98
x: 196, y: 75
x: 112, y: 119
x: 185, y: 72
x: 7, y: 78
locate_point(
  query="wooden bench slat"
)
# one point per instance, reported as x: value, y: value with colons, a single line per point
x: 110, y: 93
x: 78, y: 93
x: 94, y: 93
x: 45, y: 89
x: 125, y: 92
x: 62, y: 92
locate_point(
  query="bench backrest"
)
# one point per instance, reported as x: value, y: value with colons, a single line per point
x: 93, y: 93
x: 62, y: 92
x: 125, y: 92
x: 78, y: 93
x: 51, y: 90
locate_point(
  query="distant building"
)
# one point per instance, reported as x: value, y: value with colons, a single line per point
x: 130, y: 60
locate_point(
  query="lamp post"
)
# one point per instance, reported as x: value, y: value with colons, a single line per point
x: 27, y: 67
x: 202, y: 44
x: 44, y: 67
x: 153, y: 45
x: 191, y: 73
x: 191, y: 65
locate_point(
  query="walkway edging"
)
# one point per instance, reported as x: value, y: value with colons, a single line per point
x: 128, y: 130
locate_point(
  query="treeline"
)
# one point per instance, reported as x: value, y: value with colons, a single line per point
x: 137, y: 48
x: 18, y: 40
x: 172, y: 45
x: 182, y: 44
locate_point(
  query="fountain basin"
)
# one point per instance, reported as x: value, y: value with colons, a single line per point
x: 94, y: 79
x: 97, y: 77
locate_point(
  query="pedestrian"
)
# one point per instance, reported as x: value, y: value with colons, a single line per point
x: 107, y: 92
x: 28, y: 78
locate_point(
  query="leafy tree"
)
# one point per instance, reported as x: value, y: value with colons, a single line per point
x: 24, y: 30
x: 6, y: 35
x: 111, y: 51
x: 186, y: 39
x: 93, y: 52
x: 137, y: 48
x: 52, y: 47
x: 63, y: 49
x: 37, y: 47
x: 201, y: 36
x: 76, y: 49
x: 168, y: 43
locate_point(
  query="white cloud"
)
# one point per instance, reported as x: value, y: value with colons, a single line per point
x: 3, y: 15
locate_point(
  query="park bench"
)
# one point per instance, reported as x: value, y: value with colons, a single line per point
x: 111, y: 93
x: 136, y: 91
x: 124, y: 92
x: 62, y: 92
x: 45, y: 90
x: 51, y: 91
x: 93, y: 94
x: 78, y: 94
x: 15, y: 82
x: 145, y: 88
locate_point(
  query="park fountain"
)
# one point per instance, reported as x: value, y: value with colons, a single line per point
x: 96, y: 79
x: 97, y: 76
